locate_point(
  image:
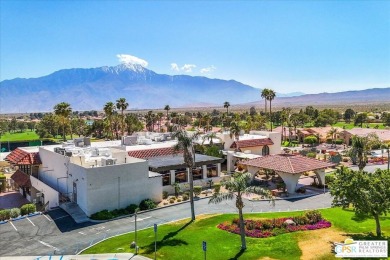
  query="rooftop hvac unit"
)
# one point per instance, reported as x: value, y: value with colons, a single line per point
x: 106, y: 162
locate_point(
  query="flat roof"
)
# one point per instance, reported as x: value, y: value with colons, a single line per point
x: 173, y: 162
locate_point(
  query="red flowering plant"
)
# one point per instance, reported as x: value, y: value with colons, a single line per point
x: 311, y: 220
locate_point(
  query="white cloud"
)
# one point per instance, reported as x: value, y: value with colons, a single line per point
x: 131, y: 60
x: 188, y: 67
x: 175, y: 67
x: 208, y: 69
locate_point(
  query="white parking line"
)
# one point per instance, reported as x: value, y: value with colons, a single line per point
x: 47, y: 217
x: 140, y: 219
x: 13, y: 225
x: 82, y: 233
x: 48, y: 245
x: 30, y: 222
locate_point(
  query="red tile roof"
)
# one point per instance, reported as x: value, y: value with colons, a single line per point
x: 288, y: 163
x: 22, y: 179
x: 144, y: 154
x: 251, y: 143
x: 21, y: 157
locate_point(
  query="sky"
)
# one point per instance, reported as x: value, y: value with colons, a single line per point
x: 288, y: 46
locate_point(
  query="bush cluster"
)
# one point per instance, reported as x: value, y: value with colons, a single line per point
x: 27, y: 209
x: 6, y: 214
x: 311, y: 220
x: 165, y: 195
x: 217, y: 187
x: 197, y: 190
x: 106, y: 214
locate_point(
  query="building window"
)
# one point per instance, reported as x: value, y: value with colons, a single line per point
x: 212, y: 171
x: 166, y: 178
x: 197, y: 173
x: 181, y: 175
x: 265, y: 150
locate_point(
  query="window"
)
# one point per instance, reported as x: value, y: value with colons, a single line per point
x: 212, y: 171
x: 265, y: 150
x: 197, y: 173
x: 181, y: 175
x: 166, y: 178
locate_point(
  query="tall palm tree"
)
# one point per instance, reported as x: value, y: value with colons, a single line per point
x: 122, y: 105
x: 264, y: 94
x: 271, y: 96
x: 63, y: 110
x: 159, y: 118
x: 236, y: 187
x: 167, y: 108
x: 226, y: 105
x: 207, y: 119
x: 109, y: 109
x: 185, y: 143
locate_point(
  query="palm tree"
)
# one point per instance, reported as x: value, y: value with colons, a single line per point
x: 333, y: 134
x: 264, y: 94
x: 210, y: 137
x: 109, y: 109
x: 207, y: 119
x: 235, y: 130
x: 159, y: 118
x: 185, y: 143
x: 63, y: 110
x: 236, y: 187
x: 167, y: 108
x: 226, y: 105
x: 271, y: 95
x: 122, y: 105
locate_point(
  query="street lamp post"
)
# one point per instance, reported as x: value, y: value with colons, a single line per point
x: 135, y: 233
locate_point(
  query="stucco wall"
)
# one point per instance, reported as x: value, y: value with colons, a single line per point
x: 50, y: 194
x: 118, y: 186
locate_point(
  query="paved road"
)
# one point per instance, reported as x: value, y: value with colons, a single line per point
x: 57, y: 233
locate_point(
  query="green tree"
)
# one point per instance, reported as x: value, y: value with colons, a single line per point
x: 235, y: 188
x: 271, y: 96
x: 361, y: 146
x: 63, y: 111
x: 109, y: 109
x: 235, y: 129
x: 167, y: 108
x: 311, y: 139
x: 185, y: 143
x: 333, y: 132
x: 360, y: 119
x: 264, y: 94
x: 48, y: 126
x: 226, y: 105
x: 13, y: 124
x: 22, y: 126
x: 122, y: 105
x: 133, y: 124
x: 349, y: 114
x: 369, y: 193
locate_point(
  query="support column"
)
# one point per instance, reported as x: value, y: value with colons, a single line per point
x: 230, y: 163
x: 204, y: 171
x: 291, y: 181
x: 218, y: 169
x: 172, y: 172
x: 321, y: 176
x: 188, y: 174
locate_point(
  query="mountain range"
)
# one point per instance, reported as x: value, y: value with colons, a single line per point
x: 90, y: 89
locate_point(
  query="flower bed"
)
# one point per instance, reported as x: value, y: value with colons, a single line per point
x: 274, y: 227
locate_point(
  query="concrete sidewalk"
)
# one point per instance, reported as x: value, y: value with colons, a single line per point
x: 119, y: 256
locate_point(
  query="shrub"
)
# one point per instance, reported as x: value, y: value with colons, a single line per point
x: 301, y: 220
x: 165, y: 203
x: 172, y: 201
x: 217, y: 187
x: 313, y: 216
x: 147, y: 204
x: 311, y: 155
x: 5, y: 214
x: 131, y: 208
x: 178, y: 200
x: 185, y: 197
x: 329, y: 179
x: 165, y: 195
x: 102, y: 215
x: 15, y: 212
x: 339, y: 141
x: 310, y: 140
x: 197, y: 190
x: 27, y: 209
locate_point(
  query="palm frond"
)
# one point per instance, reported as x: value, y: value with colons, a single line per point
x: 219, y: 197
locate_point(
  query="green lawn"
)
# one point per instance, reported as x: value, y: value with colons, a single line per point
x: 25, y: 136
x: 183, y: 240
x: 351, y: 125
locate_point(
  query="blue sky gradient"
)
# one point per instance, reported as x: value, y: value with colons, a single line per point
x: 307, y: 46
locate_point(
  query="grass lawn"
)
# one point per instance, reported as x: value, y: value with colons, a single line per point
x: 183, y: 239
x: 351, y: 125
x: 25, y: 136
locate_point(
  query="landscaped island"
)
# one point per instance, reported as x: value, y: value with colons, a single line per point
x: 183, y: 239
